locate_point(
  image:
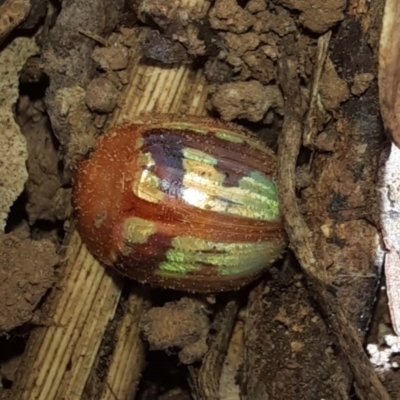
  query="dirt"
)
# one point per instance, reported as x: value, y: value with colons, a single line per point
x: 26, y: 273
x: 334, y: 90
x: 284, y: 348
x: 317, y: 15
x: 164, y: 50
x: 12, y: 14
x: 248, y: 100
x: 293, y: 328
x: 111, y: 58
x: 176, y: 22
x: 229, y: 16
x: 36, y: 15
x: 181, y: 325
x: 13, y: 148
x: 101, y: 95
x: 251, y: 45
x: 70, y: 67
x: 47, y: 192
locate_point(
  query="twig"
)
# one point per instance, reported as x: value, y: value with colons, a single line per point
x: 205, y: 380
x: 93, y: 36
x: 322, y: 50
x: 302, y: 242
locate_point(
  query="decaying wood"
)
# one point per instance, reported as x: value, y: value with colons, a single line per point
x: 127, y: 358
x: 389, y: 92
x: 392, y: 273
x: 389, y: 61
x: 288, y: 348
x: 390, y: 205
x: 302, y: 241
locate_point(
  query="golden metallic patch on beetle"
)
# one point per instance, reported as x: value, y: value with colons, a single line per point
x: 193, y: 243
x: 146, y: 187
x: 200, y: 180
x: 199, y: 156
x: 201, y: 174
x: 146, y: 183
x: 203, y: 187
x: 138, y: 230
x: 139, y: 143
x: 145, y: 160
x: 230, y: 137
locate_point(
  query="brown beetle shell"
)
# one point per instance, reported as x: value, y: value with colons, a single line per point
x: 185, y: 203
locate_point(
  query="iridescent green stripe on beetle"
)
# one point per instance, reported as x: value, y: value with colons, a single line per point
x: 254, y: 197
x: 204, y: 187
x: 190, y: 254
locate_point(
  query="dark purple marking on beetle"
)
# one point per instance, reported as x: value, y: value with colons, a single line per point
x: 166, y: 152
x: 233, y: 159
